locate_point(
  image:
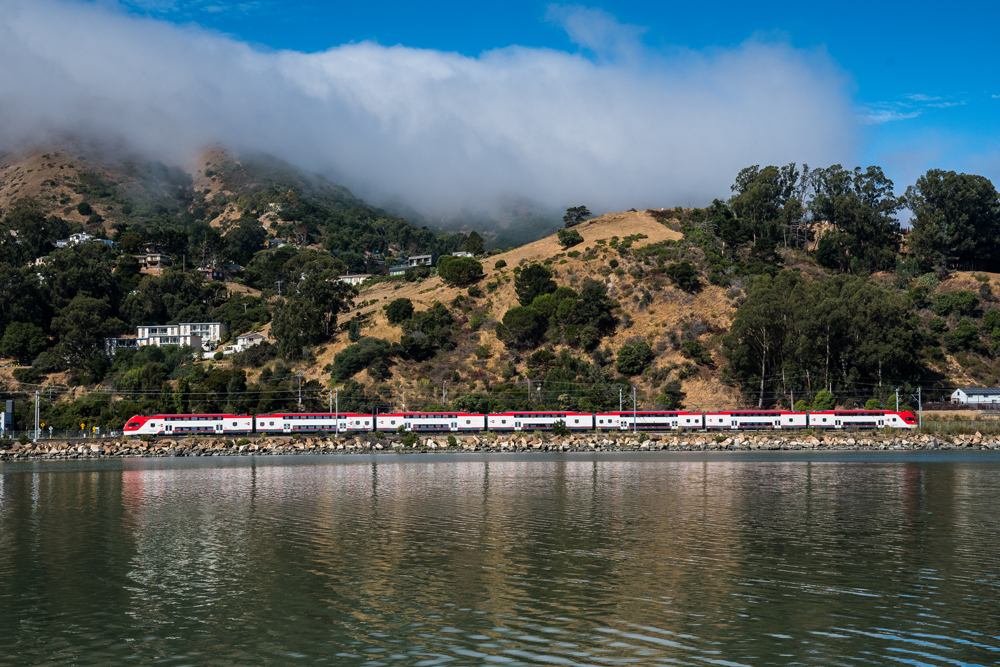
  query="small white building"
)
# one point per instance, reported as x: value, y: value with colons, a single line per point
x: 168, y: 334
x: 112, y: 345
x: 210, y: 332
x: 975, y: 395
x: 462, y: 253
x: 398, y: 270
x: 83, y: 237
x: 246, y: 341
x: 355, y: 278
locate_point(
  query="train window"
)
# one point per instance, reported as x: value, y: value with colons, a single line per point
x: 824, y: 419
x: 468, y: 421
x: 393, y: 422
x: 503, y: 421
x: 234, y: 423
x: 366, y: 422
x: 576, y: 421
x: 600, y: 421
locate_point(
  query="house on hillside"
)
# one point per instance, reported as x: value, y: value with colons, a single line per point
x: 169, y: 334
x: 153, y: 261
x: 83, y: 237
x: 398, y: 270
x: 976, y: 395
x: 112, y: 345
x: 355, y: 278
x: 245, y: 341
x: 420, y: 260
x: 462, y: 253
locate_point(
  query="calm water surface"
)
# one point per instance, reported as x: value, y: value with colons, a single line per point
x: 503, y: 560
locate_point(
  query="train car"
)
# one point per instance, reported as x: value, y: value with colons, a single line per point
x: 649, y: 421
x: 755, y: 420
x: 327, y: 422
x: 841, y: 419
x: 431, y: 421
x: 539, y: 421
x: 188, y: 425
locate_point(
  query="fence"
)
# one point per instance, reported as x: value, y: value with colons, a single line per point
x: 45, y: 434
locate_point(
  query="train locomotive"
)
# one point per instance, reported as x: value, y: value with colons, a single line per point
x: 516, y: 421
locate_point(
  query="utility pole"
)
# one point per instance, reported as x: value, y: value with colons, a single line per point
x: 300, y: 391
x: 897, y: 399
x: 445, y: 382
x: 36, y: 416
x: 634, y: 427
x: 920, y: 409
x: 278, y: 283
x: 331, y: 401
x: 619, y: 399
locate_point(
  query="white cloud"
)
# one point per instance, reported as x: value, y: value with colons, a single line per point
x: 439, y: 130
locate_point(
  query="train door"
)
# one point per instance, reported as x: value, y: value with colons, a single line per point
x: 673, y: 424
x: 286, y: 427
x: 836, y: 422
x: 454, y: 426
x: 218, y: 428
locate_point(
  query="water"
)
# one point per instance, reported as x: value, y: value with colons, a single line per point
x: 652, y: 559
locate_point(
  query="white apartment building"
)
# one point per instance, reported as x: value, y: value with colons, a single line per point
x: 167, y: 334
x: 210, y: 332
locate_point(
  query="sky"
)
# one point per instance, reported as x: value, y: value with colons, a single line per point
x: 455, y: 105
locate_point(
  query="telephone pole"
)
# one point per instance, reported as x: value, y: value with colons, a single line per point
x: 278, y: 283
x: 36, y: 416
x: 920, y: 409
x: 634, y: 427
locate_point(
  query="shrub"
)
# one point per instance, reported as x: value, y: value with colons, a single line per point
x: 356, y: 357
x: 633, y: 359
x: 83, y: 208
x: 569, y: 237
x: 27, y: 375
x: 409, y: 439
x: 697, y: 352
x: 802, y: 406
x: 475, y: 291
x: 459, y: 270
x: 560, y: 429
x: 483, y: 351
x: 671, y: 397
x: 964, y: 337
x: 452, y: 441
x: 873, y: 404
x: 534, y: 280
x: 684, y: 275
x: 218, y: 356
x: 824, y: 400
x: 522, y: 326
x: 613, y: 263
x: 399, y: 310
x: 242, y: 441
x: 501, y: 263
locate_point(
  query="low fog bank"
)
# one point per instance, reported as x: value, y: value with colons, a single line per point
x: 441, y: 132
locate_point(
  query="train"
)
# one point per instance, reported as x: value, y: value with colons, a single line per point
x: 465, y: 422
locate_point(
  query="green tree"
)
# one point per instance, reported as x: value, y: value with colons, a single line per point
x: 354, y: 330
x: 634, y: 359
x: 873, y: 404
x: 475, y: 244
x: 861, y: 207
x: 81, y: 326
x: 458, y: 271
x: 671, y: 397
x: 533, y: 280
x: 359, y: 356
x: 824, y: 400
x: 245, y: 239
x: 575, y: 215
x: 956, y: 220
x: 569, y: 238
x: 684, y: 275
x: 399, y: 310
x: 522, y: 326
x: 23, y: 342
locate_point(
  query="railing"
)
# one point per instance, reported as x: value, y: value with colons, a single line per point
x: 44, y: 434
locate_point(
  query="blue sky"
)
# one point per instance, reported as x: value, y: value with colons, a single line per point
x: 465, y: 107
x: 925, y: 76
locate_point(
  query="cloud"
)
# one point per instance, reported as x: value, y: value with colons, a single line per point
x: 440, y: 131
x: 879, y: 116
x: 595, y: 30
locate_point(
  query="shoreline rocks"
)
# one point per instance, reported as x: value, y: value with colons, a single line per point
x: 490, y: 443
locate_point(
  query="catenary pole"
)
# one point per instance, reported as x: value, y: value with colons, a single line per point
x: 634, y: 427
x: 36, y: 416
x: 920, y: 410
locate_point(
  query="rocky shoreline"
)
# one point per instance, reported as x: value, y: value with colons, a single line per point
x: 602, y: 442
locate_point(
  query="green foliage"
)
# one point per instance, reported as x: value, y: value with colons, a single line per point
x: 83, y: 208
x: 788, y: 327
x: 569, y: 237
x: 452, y: 440
x: 991, y: 325
x: 399, y: 310
x: 354, y: 330
x: 560, y: 429
x: 484, y: 352
x: 802, y: 405
x: 575, y: 215
x: 500, y: 263
x: 965, y: 336
x: 937, y: 325
x: 426, y: 332
x: 697, y: 352
x: 534, y: 280
x: 873, y: 404
x: 634, y: 359
x: 457, y: 271
x: 962, y: 302
x: 522, y: 326
x: 824, y: 400
x: 357, y: 357
x: 23, y: 341
x: 956, y: 220
x: 671, y: 397
x: 684, y: 275
x: 475, y: 244
x: 409, y: 439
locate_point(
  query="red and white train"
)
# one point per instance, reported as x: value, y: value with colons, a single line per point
x: 457, y: 422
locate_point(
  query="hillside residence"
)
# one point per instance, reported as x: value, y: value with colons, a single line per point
x: 83, y: 237
x: 398, y: 270
x: 420, y: 260
x: 975, y: 395
x: 462, y: 253
x: 248, y: 340
x: 355, y: 279
x: 213, y: 274
x: 169, y: 334
x: 153, y: 261
x: 112, y: 345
